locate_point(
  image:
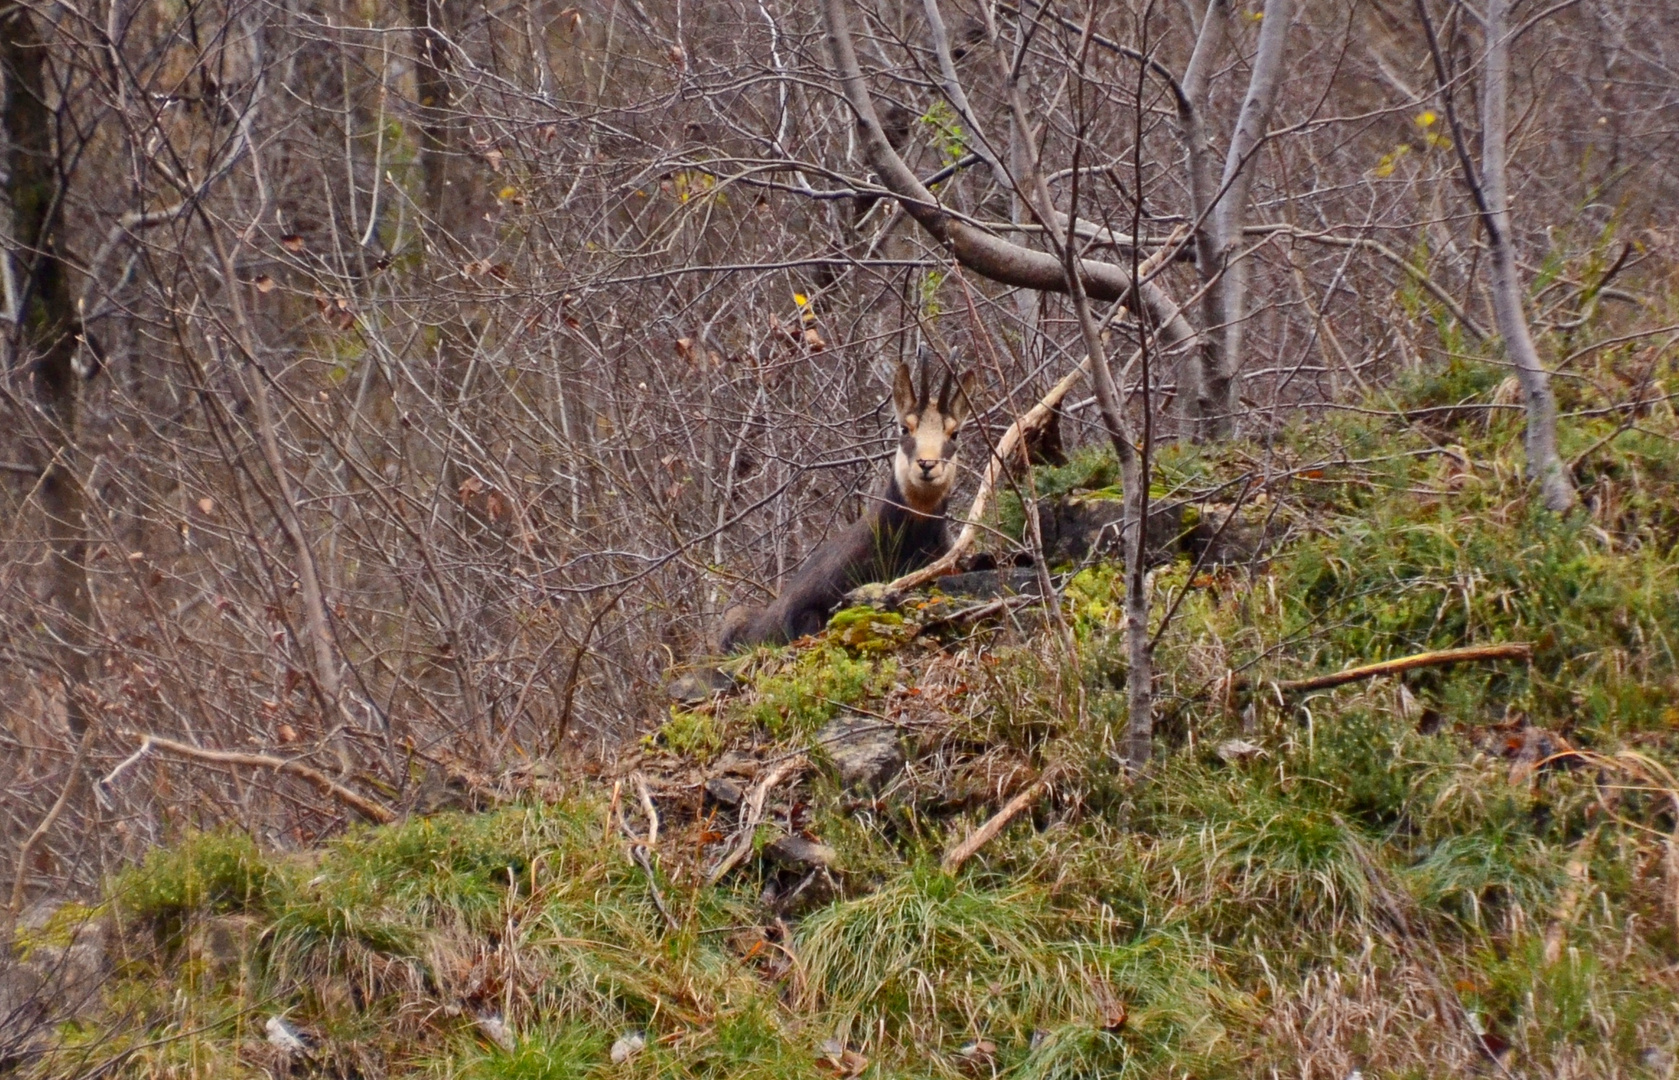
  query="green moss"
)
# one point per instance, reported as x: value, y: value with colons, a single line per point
x: 805, y: 691
x: 690, y: 734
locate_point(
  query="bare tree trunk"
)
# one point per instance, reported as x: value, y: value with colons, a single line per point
x: 1132, y: 452
x: 1221, y: 388
x: 46, y: 336
x: 1543, y: 462
x: 1491, y: 192
x: 1203, y: 197
x: 455, y: 211
x: 431, y: 83
x: 1064, y: 271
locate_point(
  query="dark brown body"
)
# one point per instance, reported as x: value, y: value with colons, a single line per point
x: 901, y: 532
x: 887, y: 542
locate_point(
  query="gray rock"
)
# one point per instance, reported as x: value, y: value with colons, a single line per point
x: 221, y: 941
x: 1238, y: 750
x: 723, y: 790
x: 698, y: 686
x: 797, y: 853
x: 627, y: 1046
x: 865, y: 754
x: 496, y: 1030
x: 25, y: 1020
x: 988, y: 584
x: 1220, y: 539
x: 284, y: 1036
x: 48, y: 986
x: 1081, y: 527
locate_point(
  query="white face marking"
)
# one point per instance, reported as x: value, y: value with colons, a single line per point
x: 925, y: 465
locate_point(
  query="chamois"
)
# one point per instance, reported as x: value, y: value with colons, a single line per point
x: 903, y: 529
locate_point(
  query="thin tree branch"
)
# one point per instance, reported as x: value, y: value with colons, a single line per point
x: 367, y: 808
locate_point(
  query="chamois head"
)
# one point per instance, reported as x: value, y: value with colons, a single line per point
x: 924, y: 466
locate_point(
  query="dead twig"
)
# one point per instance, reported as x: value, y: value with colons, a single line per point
x: 978, y: 611
x: 983, y: 835
x: 751, y: 814
x: 367, y: 808
x: 641, y: 850
x: 25, y: 852
x: 1578, y: 872
x: 1514, y: 650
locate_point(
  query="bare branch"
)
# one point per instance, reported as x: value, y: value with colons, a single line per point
x: 362, y: 805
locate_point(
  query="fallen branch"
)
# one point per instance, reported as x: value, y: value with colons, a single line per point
x: 1514, y: 650
x: 362, y: 805
x: 983, y: 835
x: 751, y: 814
x: 1012, y: 440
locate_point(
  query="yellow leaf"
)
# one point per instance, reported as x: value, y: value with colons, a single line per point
x: 1427, y: 118
x: 1390, y: 161
x: 508, y: 192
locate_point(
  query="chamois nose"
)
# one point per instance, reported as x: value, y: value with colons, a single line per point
x: 927, y: 467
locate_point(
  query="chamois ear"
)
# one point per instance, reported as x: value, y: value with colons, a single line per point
x: 956, y: 406
x: 903, y: 394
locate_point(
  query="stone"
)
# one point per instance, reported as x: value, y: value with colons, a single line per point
x: 798, y: 853
x: 221, y: 941
x: 284, y: 1036
x: 865, y: 754
x: 1081, y: 528
x: 25, y: 1021
x: 989, y: 584
x: 627, y: 1046
x: 1226, y: 535
x: 698, y: 686
x: 1232, y: 751
x: 495, y: 1029
x: 723, y: 791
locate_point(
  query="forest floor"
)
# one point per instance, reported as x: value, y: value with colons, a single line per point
x: 1466, y: 870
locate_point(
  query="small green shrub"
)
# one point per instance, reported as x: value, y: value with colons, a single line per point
x: 208, y: 872
x: 690, y: 734
x: 818, y: 682
x: 567, y: 1052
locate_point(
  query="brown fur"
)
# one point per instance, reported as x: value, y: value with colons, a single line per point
x: 903, y: 529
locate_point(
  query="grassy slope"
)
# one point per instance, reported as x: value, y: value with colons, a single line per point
x: 1403, y: 880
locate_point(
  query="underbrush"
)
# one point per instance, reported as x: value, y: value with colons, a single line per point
x: 1467, y: 869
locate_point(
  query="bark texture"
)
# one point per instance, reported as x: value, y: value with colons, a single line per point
x: 46, y: 338
x: 1544, y: 464
x: 1220, y: 391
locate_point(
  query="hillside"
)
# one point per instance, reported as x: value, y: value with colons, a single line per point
x: 1466, y: 870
